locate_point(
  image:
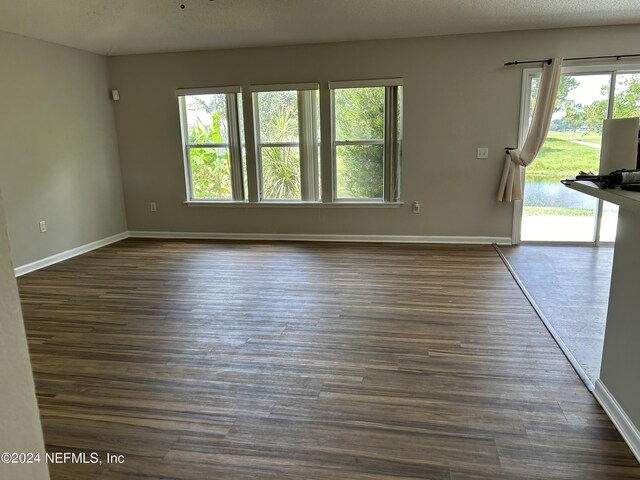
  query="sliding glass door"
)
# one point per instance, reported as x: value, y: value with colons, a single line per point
x: 550, y: 211
x: 626, y: 103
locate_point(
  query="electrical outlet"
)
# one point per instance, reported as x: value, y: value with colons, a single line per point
x: 153, y: 206
x: 483, y: 152
x: 415, y: 207
x: 43, y: 226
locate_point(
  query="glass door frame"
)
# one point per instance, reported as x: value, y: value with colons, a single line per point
x: 525, y: 111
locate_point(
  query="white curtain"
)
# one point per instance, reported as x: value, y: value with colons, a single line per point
x: 510, y: 184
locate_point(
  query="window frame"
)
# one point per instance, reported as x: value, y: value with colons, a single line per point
x: 234, y: 144
x: 391, y: 141
x: 317, y: 180
x: 528, y: 74
x: 308, y: 142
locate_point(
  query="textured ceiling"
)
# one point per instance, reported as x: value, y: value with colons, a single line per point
x: 118, y: 27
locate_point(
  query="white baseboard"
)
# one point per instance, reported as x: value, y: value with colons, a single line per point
x: 67, y: 254
x: 323, y: 237
x: 619, y: 417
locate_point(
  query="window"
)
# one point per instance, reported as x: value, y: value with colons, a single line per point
x: 287, y: 139
x: 212, y: 146
x: 283, y: 162
x: 587, y: 95
x: 367, y: 139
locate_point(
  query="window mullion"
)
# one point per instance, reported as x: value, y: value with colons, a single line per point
x: 612, y: 94
x: 258, y: 148
x: 390, y: 144
x: 333, y: 162
x: 279, y: 144
x: 359, y: 142
x: 186, y: 150
x: 600, y: 205
x: 209, y: 145
x: 189, y: 172
x: 235, y: 148
x: 307, y: 128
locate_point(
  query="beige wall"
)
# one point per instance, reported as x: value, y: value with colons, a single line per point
x: 458, y: 96
x: 58, y: 149
x: 20, y: 429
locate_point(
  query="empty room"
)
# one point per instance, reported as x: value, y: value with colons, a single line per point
x: 319, y: 239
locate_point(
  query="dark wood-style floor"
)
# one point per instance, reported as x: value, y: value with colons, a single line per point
x: 205, y: 360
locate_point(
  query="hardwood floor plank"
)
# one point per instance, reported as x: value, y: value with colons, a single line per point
x: 250, y: 360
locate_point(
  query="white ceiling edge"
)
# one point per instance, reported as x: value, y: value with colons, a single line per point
x: 128, y: 27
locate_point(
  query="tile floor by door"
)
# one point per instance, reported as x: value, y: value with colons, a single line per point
x: 570, y: 284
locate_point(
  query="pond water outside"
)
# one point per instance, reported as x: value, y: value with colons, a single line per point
x: 556, y: 195
x: 555, y: 226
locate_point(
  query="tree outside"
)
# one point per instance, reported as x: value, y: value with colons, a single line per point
x: 359, y: 114
x: 551, y: 211
x: 278, y: 112
x: 359, y: 118
x: 210, y: 167
x: 576, y: 130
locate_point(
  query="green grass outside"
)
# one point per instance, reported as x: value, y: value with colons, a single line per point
x: 561, y: 158
x: 556, y: 212
x: 592, y: 137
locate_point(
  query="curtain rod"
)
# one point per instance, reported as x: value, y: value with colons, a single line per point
x: 548, y: 60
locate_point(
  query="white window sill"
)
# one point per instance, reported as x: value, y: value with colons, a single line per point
x: 343, y: 204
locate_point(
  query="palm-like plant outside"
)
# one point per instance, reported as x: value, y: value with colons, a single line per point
x: 210, y: 167
x: 359, y: 167
x: 280, y: 164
